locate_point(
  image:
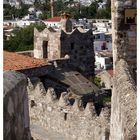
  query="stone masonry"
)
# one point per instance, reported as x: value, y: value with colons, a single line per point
x: 123, y: 102
x: 68, y: 114
x: 74, y: 44
x: 71, y: 120
x: 16, y: 111
x: 124, y: 33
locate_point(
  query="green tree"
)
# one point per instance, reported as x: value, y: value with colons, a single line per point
x: 9, y: 11
x: 45, y: 15
x: 59, y: 6
x: 93, y: 10
x: 103, y: 13
x: 43, y: 6
x: 12, y: 11
x: 22, y: 39
x: 96, y: 80
x: 84, y: 12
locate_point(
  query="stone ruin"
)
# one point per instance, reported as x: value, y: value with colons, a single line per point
x: 66, y: 43
x: 124, y: 99
x: 66, y: 114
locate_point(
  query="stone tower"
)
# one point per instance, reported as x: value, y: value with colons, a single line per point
x: 66, y: 24
x: 124, y: 31
x: 57, y: 45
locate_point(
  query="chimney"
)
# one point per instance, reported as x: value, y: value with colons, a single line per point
x: 66, y: 23
x: 52, y: 7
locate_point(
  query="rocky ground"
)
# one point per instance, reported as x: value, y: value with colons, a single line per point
x: 40, y: 133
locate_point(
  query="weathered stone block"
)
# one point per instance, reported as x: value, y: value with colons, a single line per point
x: 16, y: 114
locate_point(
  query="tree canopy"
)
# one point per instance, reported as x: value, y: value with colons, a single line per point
x: 13, y: 12
x: 22, y: 39
x: 80, y: 11
x: 74, y: 8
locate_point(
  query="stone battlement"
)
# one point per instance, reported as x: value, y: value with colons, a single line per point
x: 67, y: 115
x: 77, y: 45
x: 51, y: 30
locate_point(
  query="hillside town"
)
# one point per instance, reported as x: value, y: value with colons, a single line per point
x: 101, y: 29
x: 70, y: 76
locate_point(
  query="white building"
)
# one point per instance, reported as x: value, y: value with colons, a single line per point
x: 102, y: 41
x: 12, y: 23
x: 18, y: 23
x: 103, y: 60
x: 24, y: 23
x: 8, y: 33
x: 31, y: 9
x: 53, y: 22
x: 103, y: 25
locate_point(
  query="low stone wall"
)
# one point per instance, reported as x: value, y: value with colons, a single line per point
x: 16, y: 111
x: 38, y: 71
x: 27, y: 53
x: 70, y: 120
x: 123, y: 104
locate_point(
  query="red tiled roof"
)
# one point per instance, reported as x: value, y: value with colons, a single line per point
x: 110, y: 72
x: 54, y: 19
x: 14, y: 61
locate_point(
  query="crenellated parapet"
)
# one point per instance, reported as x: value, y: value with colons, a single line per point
x: 58, y: 114
x: 77, y: 44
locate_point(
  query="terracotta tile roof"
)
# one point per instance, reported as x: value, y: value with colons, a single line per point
x: 14, y: 61
x: 54, y: 19
x: 110, y: 72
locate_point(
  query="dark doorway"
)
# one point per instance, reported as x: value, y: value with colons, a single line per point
x: 45, y: 49
x: 72, y: 46
x: 104, y: 46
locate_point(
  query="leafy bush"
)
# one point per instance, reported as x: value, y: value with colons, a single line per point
x: 96, y: 80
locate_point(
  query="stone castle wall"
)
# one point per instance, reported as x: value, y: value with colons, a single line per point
x: 123, y: 103
x: 54, y: 46
x: 38, y: 71
x: 16, y: 111
x: 71, y: 120
x: 78, y: 46
x: 124, y: 33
